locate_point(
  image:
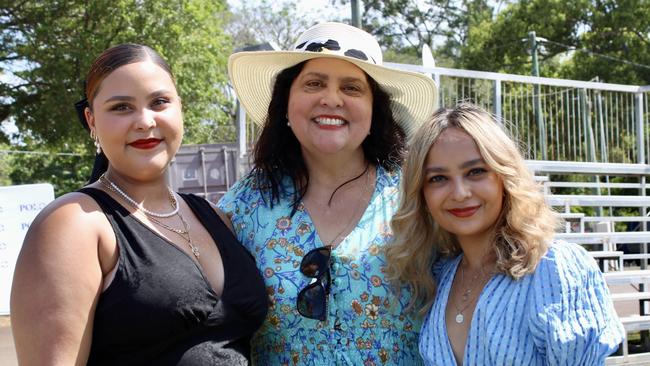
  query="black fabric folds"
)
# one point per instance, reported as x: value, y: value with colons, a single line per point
x: 161, y: 310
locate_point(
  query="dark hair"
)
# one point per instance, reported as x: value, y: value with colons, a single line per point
x: 116, y: 57
x: 110, y: 60
x: 277, y: 152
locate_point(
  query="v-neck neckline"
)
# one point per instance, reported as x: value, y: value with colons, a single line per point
x: 378, y: 170
x: 443, y: 310
x: 197, y: 265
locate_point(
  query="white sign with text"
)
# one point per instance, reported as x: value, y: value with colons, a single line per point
x: 19, y: 205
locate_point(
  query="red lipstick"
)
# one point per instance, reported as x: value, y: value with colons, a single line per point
x: 464, y: 212
x: 145, y: 144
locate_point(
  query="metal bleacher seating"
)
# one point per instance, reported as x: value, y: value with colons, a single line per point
x: 591, y: 207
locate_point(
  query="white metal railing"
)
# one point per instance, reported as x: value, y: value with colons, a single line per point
x: 579, y: 167
x: 556, y: 119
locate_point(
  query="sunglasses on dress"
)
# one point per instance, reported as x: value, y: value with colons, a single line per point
x: 312, y: 300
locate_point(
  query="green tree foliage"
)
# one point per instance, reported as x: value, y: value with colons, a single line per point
x: 5, y: 165
x: 280, y: 24
x: 616, y: 29
x: 403, y: 26
x: 585, y: 39
x: 608, y: 39
x: 65, y: 171
x: 503, y: 45
x: 47, y: 47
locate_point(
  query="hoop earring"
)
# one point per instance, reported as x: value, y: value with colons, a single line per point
x: 93, y: 136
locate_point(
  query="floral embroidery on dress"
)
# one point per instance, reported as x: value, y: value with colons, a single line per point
x: 366, y: 323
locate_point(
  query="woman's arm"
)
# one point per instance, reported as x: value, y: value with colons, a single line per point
x: 573, y: 321
x: 57, y: 282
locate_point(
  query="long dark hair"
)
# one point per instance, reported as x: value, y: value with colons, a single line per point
x: 277, y: 153
x: 110, y: 60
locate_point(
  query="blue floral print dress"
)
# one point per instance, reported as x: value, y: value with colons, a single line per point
x: 367, y: 324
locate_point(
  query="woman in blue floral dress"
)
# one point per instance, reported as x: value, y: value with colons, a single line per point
x: 315, y: 209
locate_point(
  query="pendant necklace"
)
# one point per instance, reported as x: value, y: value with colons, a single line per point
x: 466, y: 296
x: 153, y: 216
x: 340, y: 235
x: 183, y: 233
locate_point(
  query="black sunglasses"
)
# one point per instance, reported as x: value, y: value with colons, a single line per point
x: 312, y: 300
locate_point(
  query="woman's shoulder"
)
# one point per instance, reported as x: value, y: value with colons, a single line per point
x: 245, y: 183
x: 565, y: 268
x: 388, y: 178
x: 73, y: 217
x: 70, y: 206
x: 244, y: 191
x: 571, y: 316
x: 565, y: 248
x: 567, y: 259
x: 387, y: 189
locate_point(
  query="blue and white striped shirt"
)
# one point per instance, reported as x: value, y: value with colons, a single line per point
x: 559, y: 315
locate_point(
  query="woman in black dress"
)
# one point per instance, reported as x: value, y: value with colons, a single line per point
x: 125, y: 271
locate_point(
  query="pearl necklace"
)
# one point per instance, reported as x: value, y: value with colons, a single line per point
x: 183, y: 233
x: 113, y: 187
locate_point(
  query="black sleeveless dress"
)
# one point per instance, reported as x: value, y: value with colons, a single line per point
x: 161, y: 310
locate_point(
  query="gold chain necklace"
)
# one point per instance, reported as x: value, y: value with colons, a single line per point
x: 183, y: 233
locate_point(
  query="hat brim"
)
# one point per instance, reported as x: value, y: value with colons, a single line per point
x: 413, y: 95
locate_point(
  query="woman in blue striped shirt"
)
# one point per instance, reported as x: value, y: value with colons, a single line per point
x: 502, y: 291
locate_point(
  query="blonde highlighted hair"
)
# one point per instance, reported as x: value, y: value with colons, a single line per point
x: 524, y: 227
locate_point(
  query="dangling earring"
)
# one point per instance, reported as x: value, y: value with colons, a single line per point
x: 96, y: 141
x: 286, y: 116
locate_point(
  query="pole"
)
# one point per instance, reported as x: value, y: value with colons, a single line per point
x: 533, y: 51
x: 541, y: 128
x: 356, y: 19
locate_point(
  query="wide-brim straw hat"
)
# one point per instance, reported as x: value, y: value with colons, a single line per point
x: 413, y: 95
